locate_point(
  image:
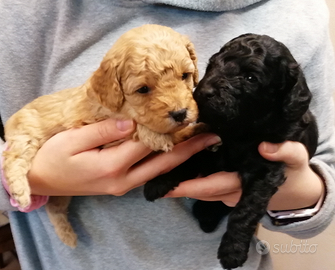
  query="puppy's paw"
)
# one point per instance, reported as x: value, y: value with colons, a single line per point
x: 21, y: 194
x: 155, y: 141
x: 232, y: 253
x: 209, y: 214
x: 157, y: 188
x: 161, y: 142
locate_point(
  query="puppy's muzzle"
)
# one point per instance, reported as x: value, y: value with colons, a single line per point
x: 205, y: 90
x: 178, y: 116
x: 204, y: 93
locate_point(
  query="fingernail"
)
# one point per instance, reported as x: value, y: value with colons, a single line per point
x: 124, y: 125
x: 270, y: 147
x: 213, y: 140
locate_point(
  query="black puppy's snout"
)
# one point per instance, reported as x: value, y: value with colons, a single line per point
x: 208, y: 92
x: 178, y: 116
x: 204, y: 93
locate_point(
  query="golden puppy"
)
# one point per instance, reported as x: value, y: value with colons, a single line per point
x: 148, y: 75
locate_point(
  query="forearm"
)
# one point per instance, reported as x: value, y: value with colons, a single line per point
x: 319, y: 222
x: 298, y: 194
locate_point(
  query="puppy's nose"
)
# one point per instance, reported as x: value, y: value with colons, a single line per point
x: 178, y: 116
x: 203, y: 93
x: 207, y: 92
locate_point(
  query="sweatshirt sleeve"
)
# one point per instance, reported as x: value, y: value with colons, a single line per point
x: 319, y: 71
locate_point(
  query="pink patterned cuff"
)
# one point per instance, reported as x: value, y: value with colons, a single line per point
x: 37, y: 201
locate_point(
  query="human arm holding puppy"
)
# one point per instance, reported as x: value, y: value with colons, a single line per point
x: 87, y: 170
x: 80, y: 168
x: 303, y: 187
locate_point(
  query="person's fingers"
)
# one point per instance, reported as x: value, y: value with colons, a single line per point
x: 229, y: 199
x: 123, y: 156
x: 294, y: 154
x: 213, y: 186
x: 162, y: 163
x: 97, y: 134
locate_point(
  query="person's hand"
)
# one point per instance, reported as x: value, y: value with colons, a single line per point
x: 302, y: 188
x: 70, y: 163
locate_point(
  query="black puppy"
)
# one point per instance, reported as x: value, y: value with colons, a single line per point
x: 253, y: 91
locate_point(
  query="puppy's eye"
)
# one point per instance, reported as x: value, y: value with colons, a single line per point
x: 143, y: 90
x: 251, y: 78
x: 184, y: 76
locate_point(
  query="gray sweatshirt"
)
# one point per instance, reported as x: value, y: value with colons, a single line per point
x: 50, y: 45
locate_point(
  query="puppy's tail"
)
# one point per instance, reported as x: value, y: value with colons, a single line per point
x: 57, y: 208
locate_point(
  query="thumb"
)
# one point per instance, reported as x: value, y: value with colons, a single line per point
x: 294, y: 154
x: 97, y: 134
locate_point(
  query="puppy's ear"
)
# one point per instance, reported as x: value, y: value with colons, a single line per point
x: 193, y: 56
x: 298, y: 95
x: 105, y: 86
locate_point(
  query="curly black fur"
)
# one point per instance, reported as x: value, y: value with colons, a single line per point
x: 253, y: 91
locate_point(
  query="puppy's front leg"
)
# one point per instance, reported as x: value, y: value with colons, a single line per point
x: 162, y: 184
x: 210, y: 213
x: 17, y: 162
x: 153, y: 140
x: 258, y: 188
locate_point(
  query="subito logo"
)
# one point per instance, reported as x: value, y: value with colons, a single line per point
x: 262, y: 247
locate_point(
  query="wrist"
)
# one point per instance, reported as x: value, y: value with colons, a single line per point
x: 302, y: 189
x: 289, y: 216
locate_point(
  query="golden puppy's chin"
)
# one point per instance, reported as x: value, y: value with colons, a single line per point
x: 170, y: 126
x: 164, y: 127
